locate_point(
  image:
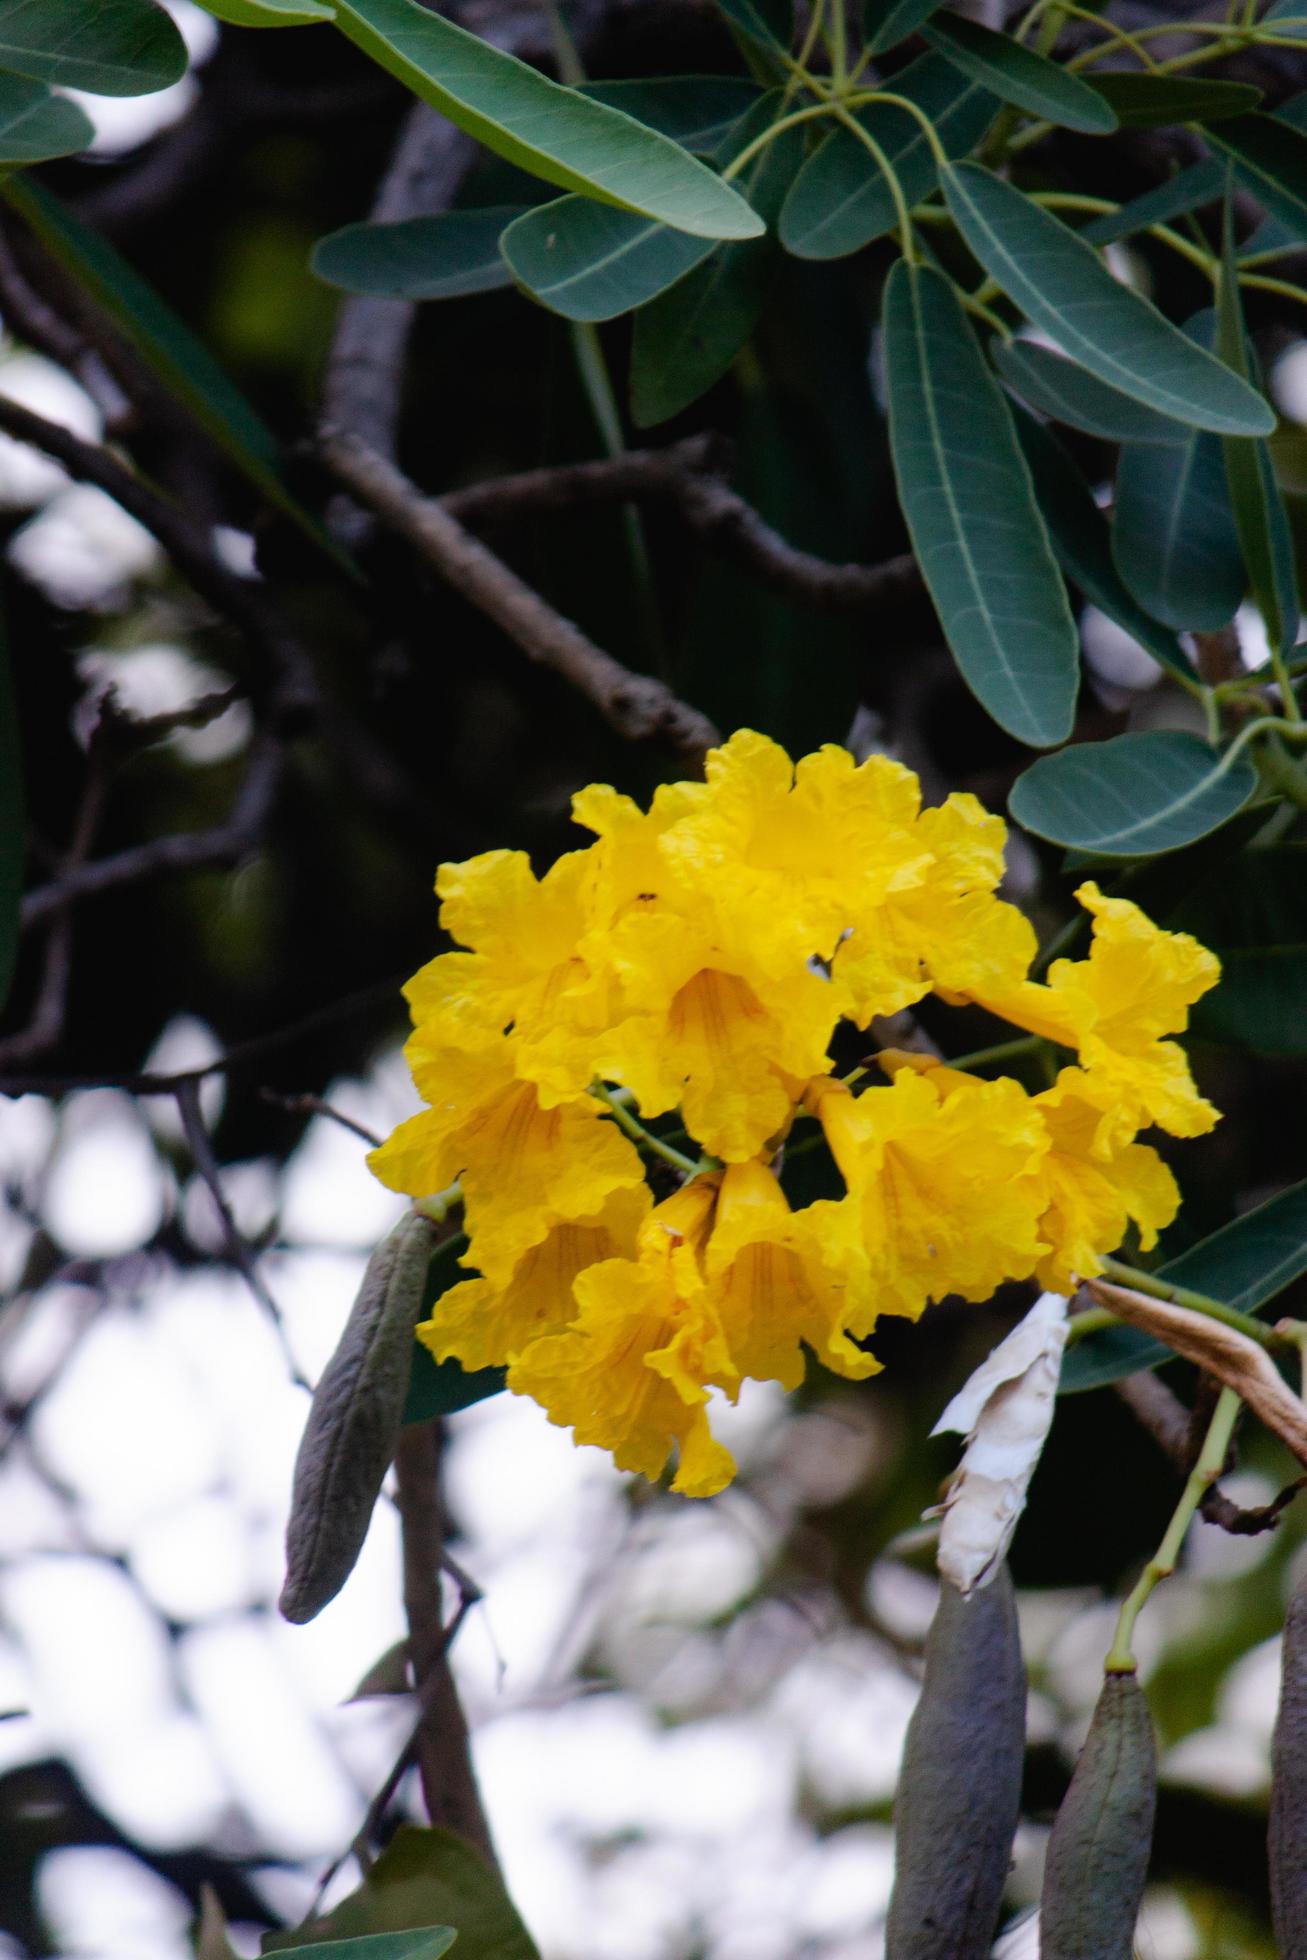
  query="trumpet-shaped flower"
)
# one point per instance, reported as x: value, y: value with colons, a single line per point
x: 1136, y: 986
x: 524, y: 1168
x: 485, y: 1325
x: 1091, y: 1195
x: 632, y: 1372
x: 944, y: 1188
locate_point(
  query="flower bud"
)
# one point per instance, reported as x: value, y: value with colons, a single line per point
x: 1098, y: 1853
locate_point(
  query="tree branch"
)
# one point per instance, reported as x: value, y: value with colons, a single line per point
x: 1170, y: 1425
x: 689, y: 477
x: 636, y: 705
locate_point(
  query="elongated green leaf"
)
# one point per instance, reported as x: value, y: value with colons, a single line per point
x: 419, y: 258
x: 1246, y: 1264
x: 1134, y: 796
x: 1144, y: 101
x: 36, y: 125
x: 109, y: 47
x: 697, y: 111
x: 168, y: 347
x: 1287, y: 17
x: 1173, y: 535
x: 1260, y: 518
x: 553, y: 132
x: 269, y: 13
x: 1191, y: 188
x: 1018, y: 75
x: 1082, y: 542
x: 590, y: 262
x: 887, y: 22
x: 1062, y: 285
x: 1257, y: 924
x: 840, y: 200
x: 687, y: 337
x: 12, y: 843
x: 768, y: 22
x: 972, y: 515
x: 424, y: 1943
x: 1073, y: 396
x: 1270, y: 159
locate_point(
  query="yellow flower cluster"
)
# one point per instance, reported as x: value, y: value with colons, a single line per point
x: 699, y: 957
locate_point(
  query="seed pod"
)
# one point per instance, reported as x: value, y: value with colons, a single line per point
x: 1288, y: 1832
x: 350, y: 1434
x: 960, y: 1788
x: 1098, y: 1853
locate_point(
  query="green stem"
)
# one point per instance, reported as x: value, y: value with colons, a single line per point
x: 1283, y: 774
x: 1092, y: 1321
x: 1211, y: 1462
x: 772, y: 131
x: 1002, y: 1051
x: 1184, y: 1296
x: 869, y: 143
x: 635, y: 1129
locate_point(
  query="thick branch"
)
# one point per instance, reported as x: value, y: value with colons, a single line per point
x: 636, y: 705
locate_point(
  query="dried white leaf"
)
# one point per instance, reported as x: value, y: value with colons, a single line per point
x: 1004, y: 1410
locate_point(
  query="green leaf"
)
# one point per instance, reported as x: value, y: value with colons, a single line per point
x: 590, y: 262
x: 1018, y: 75
x: 887, y: 22
x: 13, y: 846
x: 553, y: 132
x: 269, y: 13
x: 971, y: 512
x: 440, y: 257
x: 182, y: 363
x: 840, y: 200
x: 698, y: 111
x: 1082, y: 541
x: 687, y: 337
x: 1256, y: 923
x: 1260, y: 518
x: 36, y: 125
x: 423, y: 1943
x: 1191, y: 188
x: 1071, y: 395
x: 1287, y: 17
x: 1152, y: 101
x: 1244, y: 1265
x: 1133, y: 796
x: 422, y: 1876
x: 1173, y: 534
x: 109, y: 47
x: 1270, y: 160
x: 438, y: 1388
x: 768, y: 22
x: 1062, y: 285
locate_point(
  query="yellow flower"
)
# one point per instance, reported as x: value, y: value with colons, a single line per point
x: 484, y: 1325
x: 774, y: 1284
x: 524, y: 1168
x: 944, y: 1188
x: 1137, y: 985
x: 631, y: 1373
x: 1092, y: 1196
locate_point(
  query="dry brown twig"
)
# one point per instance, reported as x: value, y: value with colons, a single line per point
x: 1222, y: 1351
x: 1171, y: 1425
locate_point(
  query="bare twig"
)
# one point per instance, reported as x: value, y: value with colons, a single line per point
x: 315, y: 1106
x: 689, y: 477
x: 638, y: 706
x: 225, y: 843
x: 1169, y: 1423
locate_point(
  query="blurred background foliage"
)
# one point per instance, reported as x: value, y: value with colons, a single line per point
x: 788, y: 1621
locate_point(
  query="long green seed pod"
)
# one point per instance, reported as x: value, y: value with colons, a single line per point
x: 350, y: 1434
x: 960, y: 1788
x: 1098, y: 1853
x: 1288, y: 1831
